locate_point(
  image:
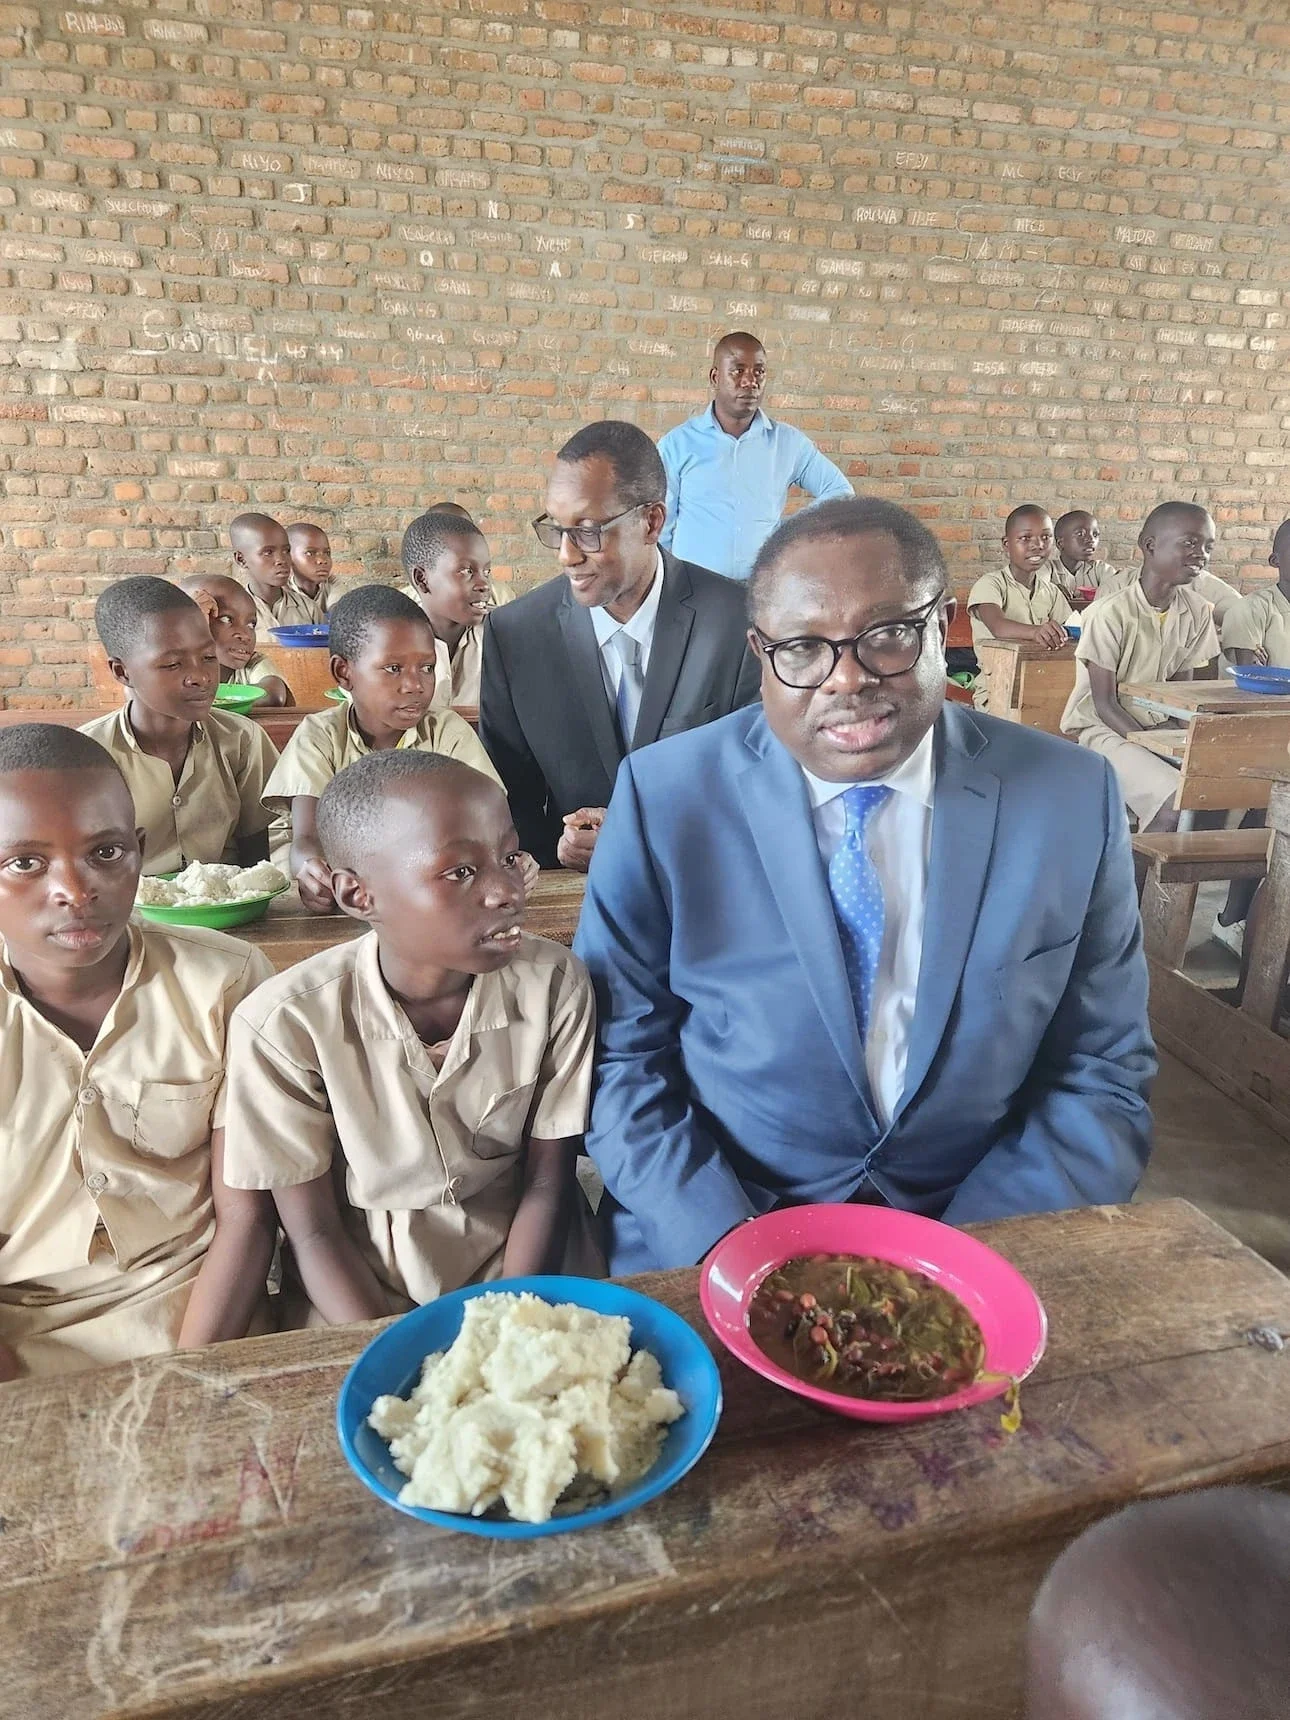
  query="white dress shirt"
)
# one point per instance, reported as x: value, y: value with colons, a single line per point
x: 898, y: 842
x: 640, y: 628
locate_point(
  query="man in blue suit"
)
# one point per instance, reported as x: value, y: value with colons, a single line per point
x: 859, y: 944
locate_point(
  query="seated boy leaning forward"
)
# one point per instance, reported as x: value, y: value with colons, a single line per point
x: 1257, y: 629
x: 229, y: 609
x: 1171, y: 1610
x: 1157, y: 629
x: 447, y: 561
x: 1074, y: 563
x: 112, y: 1039
x: 415, y: 1099
x: 383, y: 655
x: 262, y: 559
x: 1019, y: 600
x: 310, y: 563
x: 197, y: 775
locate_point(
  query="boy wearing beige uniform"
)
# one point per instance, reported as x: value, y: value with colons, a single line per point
x: 383, y: 654
x: 310, y: 563
x: 112, y: 1040
x: 196, y: 774
x: 1019, y: 600
x: 1074, y: 562
x: 229, y: 609
x: 262, y: 559
x: 1157, y: 629
x: 415, y: 1099
x: 1257, y: 629
x: 448, y: 564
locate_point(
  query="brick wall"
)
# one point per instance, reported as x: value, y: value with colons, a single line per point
x: 336, y: 261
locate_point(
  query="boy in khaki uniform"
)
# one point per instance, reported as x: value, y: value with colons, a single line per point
x: 196, y: 774
x: 262, y: 557
x: 448, y: 564
x: 1019, y: 600
x: 310, y: 563
x: 1257, y: 629
x: 1157, y: 629
x: 415, y: 1099
x: 1074, y: 563
x: 112, y: 1040
x: 229, y: 609
x: 383, y: 654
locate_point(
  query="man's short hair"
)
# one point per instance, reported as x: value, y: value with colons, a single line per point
x: 451, y: 508
x: 639, y: 478
x: 246, y: 526
x: 430, y: 534
x: 1163, y: 512
x: 52, y: 746
x: 123, y: 609
x: 846, y: 517
x: 351, y: 808
x: 737, y: 336
x: 353, y: 617
x: 1020, y: 514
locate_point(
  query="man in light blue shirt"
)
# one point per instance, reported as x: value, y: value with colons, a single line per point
x: 730, y: 468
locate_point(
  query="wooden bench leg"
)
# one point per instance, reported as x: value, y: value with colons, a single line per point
x: 1167, y: 911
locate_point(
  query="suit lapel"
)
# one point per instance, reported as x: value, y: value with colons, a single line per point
x: 672, y: 627
x: 584, y: 665
x: 779, y: 816
x: 964, y: 810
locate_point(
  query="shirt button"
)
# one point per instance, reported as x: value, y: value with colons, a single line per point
x: 97, y: 1183
x: 176, y: 800
x: 88, y: 1096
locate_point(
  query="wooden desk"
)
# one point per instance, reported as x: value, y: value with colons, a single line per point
x: 183, y: 1538
x: 1229, y: 745
x: 1028, y: 683
x: 289, y: 932
x: 1187, y: 699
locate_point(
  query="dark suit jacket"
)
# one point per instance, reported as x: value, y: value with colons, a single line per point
x: 544, y: 717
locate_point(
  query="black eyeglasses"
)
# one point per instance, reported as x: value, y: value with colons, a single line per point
x: 890, y: 648
x: 588, y: 538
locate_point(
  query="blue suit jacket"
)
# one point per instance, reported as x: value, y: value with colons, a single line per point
x: 730, y: 1075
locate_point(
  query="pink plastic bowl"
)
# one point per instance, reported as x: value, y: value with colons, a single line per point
x: 1010, y: 1315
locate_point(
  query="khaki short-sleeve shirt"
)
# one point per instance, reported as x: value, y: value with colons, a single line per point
x: 219, y: 795
x: 1260, y: 622
x: 1101, y: 576
x: 255, y: 672
x: 1046, y: 601
x: 290, y: 608
x: 326, y: 741
x: 1221, y: 596
x: 1124, y: 634
x: 325, y: 1068
x: 105, y: 1207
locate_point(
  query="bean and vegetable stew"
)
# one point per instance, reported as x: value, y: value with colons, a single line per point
x: 865, y: 1328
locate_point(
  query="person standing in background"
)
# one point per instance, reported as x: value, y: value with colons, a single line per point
x: 730, y: 468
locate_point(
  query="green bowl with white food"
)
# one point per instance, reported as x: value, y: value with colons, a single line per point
x: 211, y: 895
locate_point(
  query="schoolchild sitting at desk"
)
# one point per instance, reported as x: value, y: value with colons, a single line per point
x: 262, y: 558
x: 1020, y: 600
x: 448, y: 564
x: 310, y: 563
x: 383, y: 655
x: 1257, y: 629
x: 1157, y: 629
x: 229, y: 609
x: 1074, y: 563
x: 112, y: 1078
x: 415, y: 1099
x: 196, y: 774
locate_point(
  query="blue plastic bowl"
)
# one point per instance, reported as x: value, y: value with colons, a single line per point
x: 302, y: 637
x: 1253, y: 678
x: 1073, y: 629
x: 392, y: 1363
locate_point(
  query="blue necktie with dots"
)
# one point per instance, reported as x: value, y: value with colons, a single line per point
x: 857, y: 898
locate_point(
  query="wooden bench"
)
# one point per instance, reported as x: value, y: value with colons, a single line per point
x: 1028, y: 683
x: 183, y: 1539
x: 1176, y: 867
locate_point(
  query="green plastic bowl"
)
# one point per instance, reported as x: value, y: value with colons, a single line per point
x: 229, y: 696
x: 217, y: 916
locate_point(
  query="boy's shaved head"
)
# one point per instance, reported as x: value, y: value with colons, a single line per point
x: 1170, y: 513
x: 431, y: 534
x: 247, y: 529
x: 1026, y: 510
x: 354, y: 616
x: 299, y: 530
x: 52, y: 746
x: 450, y: 508
x: 1174, y: 1609
x: 123, y: 611
x: 351, y: 809
x: 218, y: 584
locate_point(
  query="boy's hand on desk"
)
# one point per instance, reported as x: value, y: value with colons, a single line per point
x: 313, y: 880
x: 1051, y: 635
x: 530, y: 871
x: 579, y: 839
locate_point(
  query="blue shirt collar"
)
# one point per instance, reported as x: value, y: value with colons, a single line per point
x: 761, y: 421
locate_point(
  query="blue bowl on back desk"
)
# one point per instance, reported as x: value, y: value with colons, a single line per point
x: 1253, y: 678
x: 302, y: 638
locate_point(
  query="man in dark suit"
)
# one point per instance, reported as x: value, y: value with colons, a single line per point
x: 629, y: 646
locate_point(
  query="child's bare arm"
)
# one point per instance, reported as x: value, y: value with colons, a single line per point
x: 338, y: 1281
x: 310, y: 871
x: 1106, y: 701
x: 232, y: 1276
x: 277, y: 690
x: 1049, y: 633
x: 541, y: 1223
